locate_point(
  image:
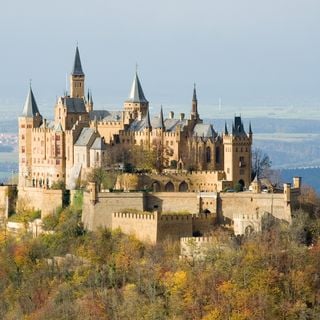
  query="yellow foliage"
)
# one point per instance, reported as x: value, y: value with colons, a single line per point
x: 215, y: 314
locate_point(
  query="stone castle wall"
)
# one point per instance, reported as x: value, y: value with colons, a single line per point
x: 245, y: 203
x: 46, y: 200
x: 7, y: 200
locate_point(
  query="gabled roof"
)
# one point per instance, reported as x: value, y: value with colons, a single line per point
x: 74, y: 105
x: 136, y: 93
x: 85, y: 137
x: 30, y: 108
x: 98, y: 144
x: 105, y: 115
x: 77, y: 67
x: 204, y: 131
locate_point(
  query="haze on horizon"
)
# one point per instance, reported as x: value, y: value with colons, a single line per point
x: 248, y: 52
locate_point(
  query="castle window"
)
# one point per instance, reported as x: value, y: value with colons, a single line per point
x: 23, y: 126
x: 208, y: 154
x: 22, y: 137
x: 171, y: 143
x: 23, y: 150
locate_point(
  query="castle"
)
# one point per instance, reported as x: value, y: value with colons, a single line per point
x: 194, y: 165
x: 80, y: 138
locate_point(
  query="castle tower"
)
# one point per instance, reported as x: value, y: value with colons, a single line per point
x: 136, y: 105
x: 77, y: 78
x: 29, y: 119
x: 194, y: 110
x: 237, y: 154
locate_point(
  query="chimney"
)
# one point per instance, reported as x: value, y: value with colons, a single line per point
x: 182, y: 115
x: 171, y: 115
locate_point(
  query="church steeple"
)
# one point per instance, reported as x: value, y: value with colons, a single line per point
x: 194, y: 109
x: 77, y: 77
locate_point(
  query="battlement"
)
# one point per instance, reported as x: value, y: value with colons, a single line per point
x: 136, y: 215
x: 188, y: 240
x: 176, y: 217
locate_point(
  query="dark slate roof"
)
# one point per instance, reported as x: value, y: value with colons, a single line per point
x: 74, y: 105
x: 98, y: 144
x: 105, y: 115
x: 194, y: 96
x: 160, y: 123
x: 136, y: 93
x: 204, y: 131
x: 30, y: 108
x: 77, y: 68
x: 85, y: 137
x: 171, y: 124
x: 237, y: 127
x: 139, y: 125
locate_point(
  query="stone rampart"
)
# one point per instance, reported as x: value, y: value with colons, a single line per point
x: 45, y: 200
x: 7, y: 200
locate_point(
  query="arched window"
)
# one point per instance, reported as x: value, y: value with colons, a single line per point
x: 208, y: 154
x: 169, y: 187
x: 183, y: 187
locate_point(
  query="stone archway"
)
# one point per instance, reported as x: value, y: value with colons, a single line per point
x: 169, y: 187
x: 248, y: 230
x: 183, y: 187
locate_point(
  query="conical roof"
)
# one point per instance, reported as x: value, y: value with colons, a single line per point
x: 77, y: 68
x: 136, y: 93
x: 30, y: 108
x: 160, y: 124
x: 194, y: 96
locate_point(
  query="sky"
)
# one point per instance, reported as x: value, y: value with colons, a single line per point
x: 248, y: 53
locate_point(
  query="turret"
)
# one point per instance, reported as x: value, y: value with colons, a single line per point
x: 136, y: 105
x: 194, y: 109
x: 29, y: 119
x: 77, y: 78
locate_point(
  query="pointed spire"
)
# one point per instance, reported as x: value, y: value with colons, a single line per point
x: 148, y: 122
x: 30, y: 107
x: 226, y: 128
x: 77, y: 68
x: 161, y: 121
x: 250, y: 130
x: 194, y: 97
x: 90, y: 99
x: 136, y: 93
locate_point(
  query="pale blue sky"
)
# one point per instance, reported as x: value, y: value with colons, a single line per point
x: 248, y: 52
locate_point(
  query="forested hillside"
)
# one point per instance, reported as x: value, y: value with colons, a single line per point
x: 272, y: 275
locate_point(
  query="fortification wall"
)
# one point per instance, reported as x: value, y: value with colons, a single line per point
x: 142, y: 225
x: 172, y: 202
x: 7, y: 200
x: 98, y: 213
x: 174, y: 227
x: 251, y: 203
x: 46, y: 200
x: 203, y: 223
